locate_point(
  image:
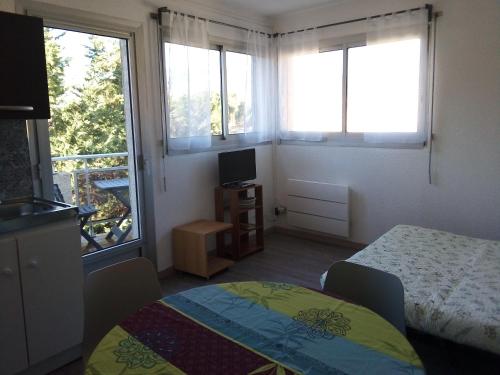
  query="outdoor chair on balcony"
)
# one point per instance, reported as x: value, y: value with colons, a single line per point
x: 84, y: 213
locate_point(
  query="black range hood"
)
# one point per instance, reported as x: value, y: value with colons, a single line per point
x: 23, y: 74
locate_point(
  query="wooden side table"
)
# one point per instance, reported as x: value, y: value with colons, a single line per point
x: 190, y: 248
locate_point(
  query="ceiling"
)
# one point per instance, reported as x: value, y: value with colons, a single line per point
x: 271, y: 8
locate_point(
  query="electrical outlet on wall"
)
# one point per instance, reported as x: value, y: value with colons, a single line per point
x: 279, y: 210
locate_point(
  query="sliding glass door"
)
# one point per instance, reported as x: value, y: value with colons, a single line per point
x: 92, y: 135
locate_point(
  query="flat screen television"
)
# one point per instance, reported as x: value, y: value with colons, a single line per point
x: 236, y: 167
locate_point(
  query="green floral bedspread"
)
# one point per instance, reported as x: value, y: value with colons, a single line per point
x: 451, y: 282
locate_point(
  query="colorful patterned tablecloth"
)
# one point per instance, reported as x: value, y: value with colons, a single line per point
x: 255, y: 328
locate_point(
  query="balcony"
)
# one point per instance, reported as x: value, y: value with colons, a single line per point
x: 79, y: 181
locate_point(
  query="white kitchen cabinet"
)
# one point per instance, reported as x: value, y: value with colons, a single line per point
x: 49, y: 275
x: 13, y: 353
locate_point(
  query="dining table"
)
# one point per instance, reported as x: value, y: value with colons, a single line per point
x: 255, y: 328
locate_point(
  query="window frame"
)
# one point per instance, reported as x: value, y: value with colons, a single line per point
x: 59, y: 17
x: 345, y: 138
x: 224, y: 140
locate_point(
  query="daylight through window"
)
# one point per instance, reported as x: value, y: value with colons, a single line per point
x: 229, y: 108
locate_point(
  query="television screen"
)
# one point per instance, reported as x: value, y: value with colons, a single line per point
x: 237, y: 166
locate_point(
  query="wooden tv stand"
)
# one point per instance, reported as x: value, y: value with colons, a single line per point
x: 247, y: 237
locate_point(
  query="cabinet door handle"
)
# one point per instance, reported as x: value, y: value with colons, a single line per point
x: 16, y: 108
x: 7, y: 271
x: 33, y: 263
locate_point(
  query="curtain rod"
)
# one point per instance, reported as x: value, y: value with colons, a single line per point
x: 426, y: 6
x: 157, y: 16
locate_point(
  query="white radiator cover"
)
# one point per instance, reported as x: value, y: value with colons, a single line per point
x: 318, y: 206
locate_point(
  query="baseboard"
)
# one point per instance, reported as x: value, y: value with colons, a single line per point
x: 320, y: 237
x: 166, y: 273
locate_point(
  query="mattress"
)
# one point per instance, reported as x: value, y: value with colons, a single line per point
x: 451, y: 282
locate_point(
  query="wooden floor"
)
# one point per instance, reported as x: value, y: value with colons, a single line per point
x: 285, y: 259
x: 301, y: 262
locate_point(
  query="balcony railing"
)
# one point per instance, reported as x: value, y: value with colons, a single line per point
x: 79, y: 172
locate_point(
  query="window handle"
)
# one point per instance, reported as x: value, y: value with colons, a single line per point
x: 16, y: 108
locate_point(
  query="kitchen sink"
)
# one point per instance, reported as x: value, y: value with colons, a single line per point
x: 17, y: 209
x: 27, y: 212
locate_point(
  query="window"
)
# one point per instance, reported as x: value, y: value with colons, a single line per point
x: 230, y: 106
x: 239, y: 91
x: 355, y: 90
x: 383, y: 87
x: 91, y: 134
x: 315, y: 95
x: 187, y: 91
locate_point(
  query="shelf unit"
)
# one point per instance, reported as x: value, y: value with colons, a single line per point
x: 246, y: 237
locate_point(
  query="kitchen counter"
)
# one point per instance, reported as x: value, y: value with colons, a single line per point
x: 28, y: 212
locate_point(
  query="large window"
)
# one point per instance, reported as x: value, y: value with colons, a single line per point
x: 354, y: 89
x: 360, y: 84
x: 230, y: 90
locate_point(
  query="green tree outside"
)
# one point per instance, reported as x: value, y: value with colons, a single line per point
x: 88, y: 118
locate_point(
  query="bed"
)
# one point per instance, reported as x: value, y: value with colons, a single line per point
x: 451, y: 282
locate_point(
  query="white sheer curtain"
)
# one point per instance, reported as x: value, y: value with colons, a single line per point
x: 393, y: 88
x: 298, y: 81
x: 260, y: 125
x: 187, y: 81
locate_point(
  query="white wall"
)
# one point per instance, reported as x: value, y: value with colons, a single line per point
x: 390, y: 185
x: 190, y: 178
x: 7, y: 5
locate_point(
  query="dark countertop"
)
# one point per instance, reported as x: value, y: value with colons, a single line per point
x: 28, y: 212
